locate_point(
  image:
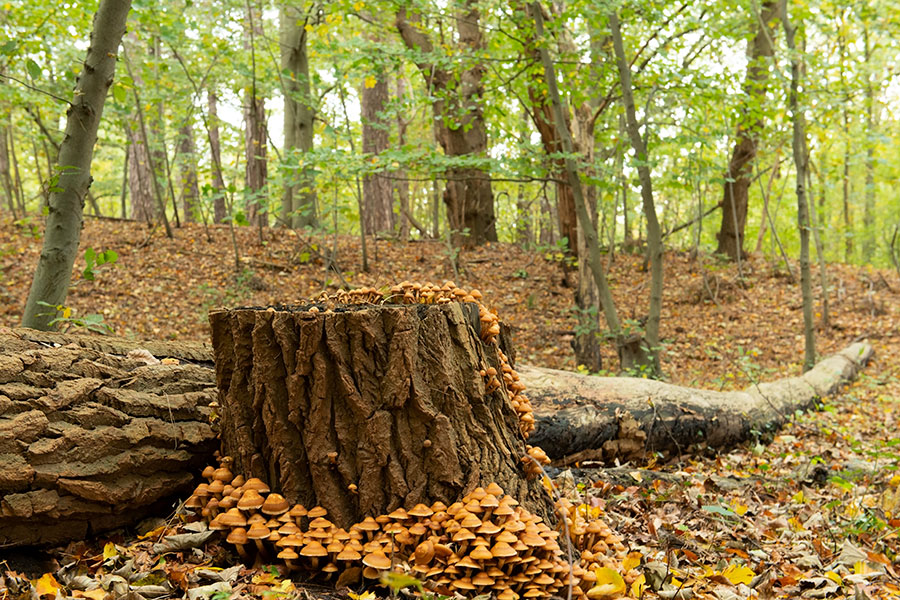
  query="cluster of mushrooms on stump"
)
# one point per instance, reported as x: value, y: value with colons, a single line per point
x: 399, y: 419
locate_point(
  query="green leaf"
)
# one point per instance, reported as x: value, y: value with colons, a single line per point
x: 9, y: 48
x: 119, y: 93
x: 34, y: 70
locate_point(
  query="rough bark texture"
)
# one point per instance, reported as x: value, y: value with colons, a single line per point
x: 737, y: 178
x: 384, y: 398
x: 459, y: 124
x: 255, y: 139
x: 91, y: 441
x: 66, y: 205
x: 583, y: 417
x: 379, y: 213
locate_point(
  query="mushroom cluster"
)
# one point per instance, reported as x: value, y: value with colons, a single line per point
x: 484, y: 543
x: 430, y: 293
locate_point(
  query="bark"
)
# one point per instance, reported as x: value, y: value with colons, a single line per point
x: 215, y: 149
x: 798, y: 118
x: 66, y: 206
x: 255, y: 139
x: 608, y: 418
x: 91, y: 441
x: 383, y: 398
x: 625, y: 346
x: 401, y: 183
x: 645, y: 353
x: 140, y: 174
x: 5, y: 173
x: 845, y: 180
x: 871, y: 134
x: 735, y: 196
x: 459, y: 123
x: 376, y: 187
x: 298, y: 208
x: 190, y: 189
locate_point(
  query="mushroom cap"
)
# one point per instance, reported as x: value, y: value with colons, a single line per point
x: 193, y: 502
x: 424, y: 552
x: 288, y: 528
x: 202, y: 490
x: 464, y: 583
x: 291, y: 541
x: 481, y: 553
x: 275, y: 504
x: 298, y: 511
x: 502, y: 550
x: 258, y: 531
x: 489, y: 501
x: 238, y: 536
x: 316, y: 511
x: 238, y: 481
x: 288, y: 554
x: 215, y: 487
x: 368, y: 524
x: 257, y: 484
x: 399, y: 514
x: 250, y: 500
x: 223, y: 474
x: 488, y: 528
x: 209, y: 472
x: 348, y: 553
x: 438, y: 506
x: 482, y: 579
x: 320, y: 523
x: 226, y: 503
x: 330, y: 568
x: 470, y: 522
x: 257, y: 518
x: 314, y: 549
x: 233, y: 518
x: 418, y: 529
x: 462, y: 535
x: 466, y: 562
x: 377, y: 560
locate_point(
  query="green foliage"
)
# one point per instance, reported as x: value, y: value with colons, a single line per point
x: 66, y: 319
x: 94, y: 261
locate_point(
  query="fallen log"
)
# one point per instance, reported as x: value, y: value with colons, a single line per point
x: 581, y: 417
x: 90, y: 440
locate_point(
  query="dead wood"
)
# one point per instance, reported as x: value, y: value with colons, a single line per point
x: 367, y: 408
x: 580, y: 417
x: 91, y: 440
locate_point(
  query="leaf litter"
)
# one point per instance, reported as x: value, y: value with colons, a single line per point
x: 812, y: 512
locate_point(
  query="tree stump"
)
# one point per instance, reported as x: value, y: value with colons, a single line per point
x: 91, y: 441
x: 367, y: 407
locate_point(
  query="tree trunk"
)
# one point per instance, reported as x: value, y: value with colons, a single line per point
x: 5, y: 173
x: 580, y: 417
x: 90, y: 441
x: 737, y: 178
x: 255, y: 139
x: 215, y: 150
x: 401, y: 183
x: 459, y: 124
x: 379, y: 202
x: 190, y: 190
x: 645, y: 353
x: 383, y: 398
x: 298, y: 207
x: 845, y: 181
x: 66, y: 205
x: 869, y: 239
x: 798, y: 120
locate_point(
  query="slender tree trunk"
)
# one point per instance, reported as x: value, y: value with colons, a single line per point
x: 64, y: 220
x: 298, y: 208
x: 845, y: 182
x: 800, y: 161
x: 190, y: 191
x: 654, y: 234
x: 215, y: 150
x: 255, y: 139
x: 869, y: 239
x: 737, y: 177
x: 5, y: 175
x: 17, y: 177
x: 820, y: 251
x: 375, y: 139
x: 401, y: 184
x: 459, y: 124
x: 629, y: 349
x: 123, y: 191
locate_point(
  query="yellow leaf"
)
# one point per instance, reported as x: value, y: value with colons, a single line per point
x: 631, y: 561
x: 738, y: 508
x: 609, y: 583
x: 636, y: 475
x: 67, y: 312
x: 97, y: 594
x: 638, y: 587
x: 738, y: 574
x: 363, y: 596
x: 46, y: 586
x: 370, y: 82
x: 834, y: 577
x: 109, y: 551
x: 358, y: 5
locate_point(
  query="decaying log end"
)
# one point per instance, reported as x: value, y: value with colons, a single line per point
x: 90, y: 441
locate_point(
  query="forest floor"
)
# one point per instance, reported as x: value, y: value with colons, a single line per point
x: 813, y: 514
